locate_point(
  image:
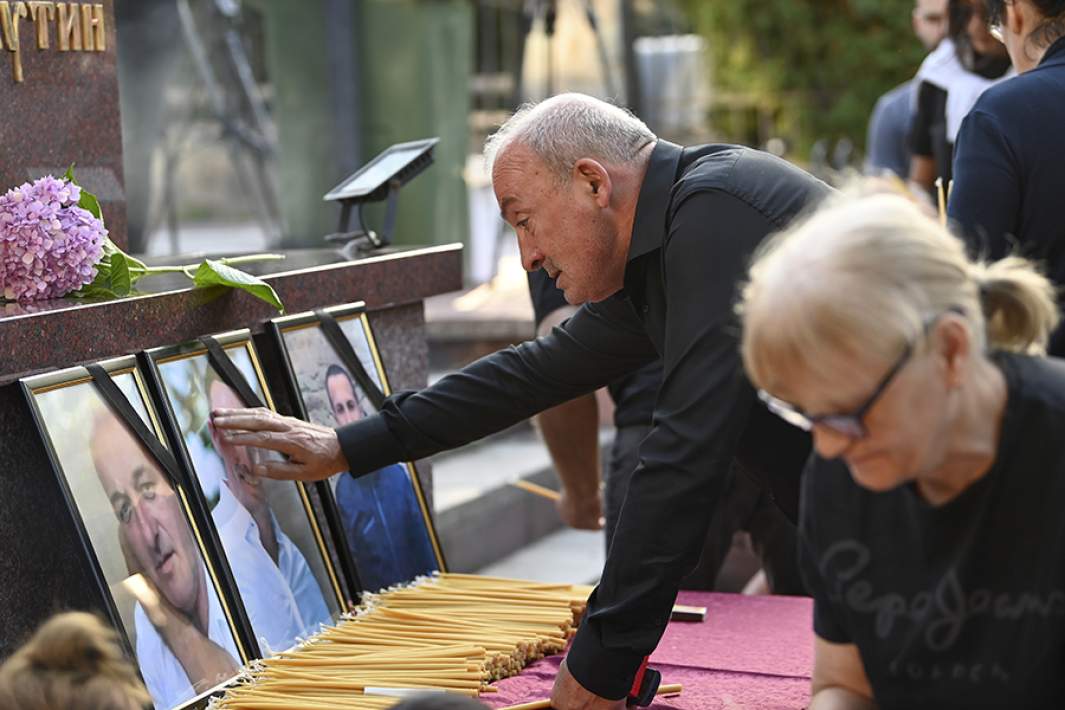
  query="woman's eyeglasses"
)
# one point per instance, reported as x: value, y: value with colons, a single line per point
x: 850, y: 425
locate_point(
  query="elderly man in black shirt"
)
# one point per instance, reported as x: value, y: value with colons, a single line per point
x: 653, y: 239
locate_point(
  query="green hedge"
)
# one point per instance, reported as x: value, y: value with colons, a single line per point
x: 821, y: 63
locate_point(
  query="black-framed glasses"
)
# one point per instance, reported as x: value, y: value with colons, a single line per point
x: 850, y: 425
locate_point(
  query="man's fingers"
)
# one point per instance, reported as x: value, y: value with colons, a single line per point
x: 272, y: 440
x: 248, y: 419
x: 284, y: 471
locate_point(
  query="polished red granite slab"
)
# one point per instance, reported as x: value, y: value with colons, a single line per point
x: 54, y: 334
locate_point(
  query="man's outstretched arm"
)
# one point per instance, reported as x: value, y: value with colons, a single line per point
x: 594, y: 347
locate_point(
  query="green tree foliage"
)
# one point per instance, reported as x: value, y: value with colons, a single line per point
x: 818, y: 65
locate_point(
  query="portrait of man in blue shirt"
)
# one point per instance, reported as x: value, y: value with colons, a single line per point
x: 382, y: 521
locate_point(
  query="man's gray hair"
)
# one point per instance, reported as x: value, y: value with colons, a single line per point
x: 565, y: 128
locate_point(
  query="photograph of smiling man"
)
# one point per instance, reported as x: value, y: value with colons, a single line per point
x: 138, y: 528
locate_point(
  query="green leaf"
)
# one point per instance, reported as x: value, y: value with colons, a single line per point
x: 215, y: 273
x: 120, y: 281
x: 89, y: 202
x: 94, y: 290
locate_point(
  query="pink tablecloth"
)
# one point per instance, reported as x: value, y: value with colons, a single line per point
x: 750, y: 652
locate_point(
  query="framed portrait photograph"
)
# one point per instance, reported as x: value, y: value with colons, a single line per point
x: 267, y: 530
x: 337, y: 377
x: 167, y: 597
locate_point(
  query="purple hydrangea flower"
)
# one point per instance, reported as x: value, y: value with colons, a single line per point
x: 48, y: 245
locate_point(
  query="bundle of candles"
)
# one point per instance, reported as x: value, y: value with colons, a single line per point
x: 451, y: 632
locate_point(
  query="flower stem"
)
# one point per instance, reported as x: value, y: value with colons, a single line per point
x: 188, y: 268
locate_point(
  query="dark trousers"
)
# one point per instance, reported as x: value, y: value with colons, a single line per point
x: 746, y: 506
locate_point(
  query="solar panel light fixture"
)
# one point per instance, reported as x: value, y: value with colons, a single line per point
x: 380, y: 179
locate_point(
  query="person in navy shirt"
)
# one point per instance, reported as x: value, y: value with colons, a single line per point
x: 1008, y: 167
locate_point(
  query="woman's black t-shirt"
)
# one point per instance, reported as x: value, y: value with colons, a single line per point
x: 961, y: 605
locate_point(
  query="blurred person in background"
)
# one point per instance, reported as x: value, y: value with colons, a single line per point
x: 73, y: 662
x: 888, y: 146
x: 1009, y: 166
x: 964, y: 65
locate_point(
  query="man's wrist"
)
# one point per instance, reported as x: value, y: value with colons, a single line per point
x: 603, y: 671
x: 368, y: 445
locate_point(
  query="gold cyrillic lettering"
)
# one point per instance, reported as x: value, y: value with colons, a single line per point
x: 98, y: 28
x: 68, y: 29
x: 42, y: 13
x: 9, y: 31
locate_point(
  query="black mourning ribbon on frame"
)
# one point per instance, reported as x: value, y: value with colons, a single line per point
x: 229, y: 372
x: 118, y: 403
x: 332, y: 332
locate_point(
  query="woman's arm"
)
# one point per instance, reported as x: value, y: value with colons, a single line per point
x: 839, y: 681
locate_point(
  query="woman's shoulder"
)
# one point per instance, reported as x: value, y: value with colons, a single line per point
x: 1035, y: 380
x: 1017, y: 99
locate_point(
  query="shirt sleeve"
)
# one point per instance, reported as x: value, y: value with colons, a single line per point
x: 889, y: 127
x: 686, y: 460
x: 986, y: 197
x: 599, y: 343
x: 827, y: 622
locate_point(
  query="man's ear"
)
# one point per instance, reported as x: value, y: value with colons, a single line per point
x: 593, y: 179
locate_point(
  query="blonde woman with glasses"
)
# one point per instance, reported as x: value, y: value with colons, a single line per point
x: 932, y: 532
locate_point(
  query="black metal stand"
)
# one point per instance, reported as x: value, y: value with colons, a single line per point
x: 354, y: 236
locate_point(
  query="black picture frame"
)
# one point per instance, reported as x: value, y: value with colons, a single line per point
x: 89, y: 506
x: 278, y: 330
x: 311, y: 568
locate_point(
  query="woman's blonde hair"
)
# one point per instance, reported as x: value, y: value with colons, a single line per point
x: 863, y: 275
x: 72, y: 662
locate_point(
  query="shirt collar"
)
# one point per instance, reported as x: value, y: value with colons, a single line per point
x: 1055, y: 53
x: 648, y: 227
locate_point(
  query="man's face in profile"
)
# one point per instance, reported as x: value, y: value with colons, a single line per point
x: 342, y: 399
x: 240, y: 476
x: 152, y: 525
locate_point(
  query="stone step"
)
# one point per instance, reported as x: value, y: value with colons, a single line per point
x: 565, y: 556
x: 480, y: 517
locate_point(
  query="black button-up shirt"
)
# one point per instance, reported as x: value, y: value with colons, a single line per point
x: 701, y: 212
